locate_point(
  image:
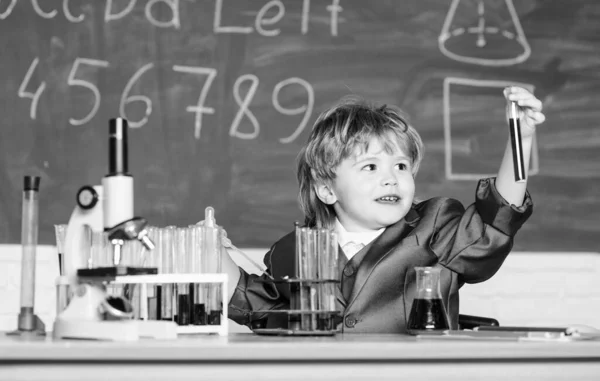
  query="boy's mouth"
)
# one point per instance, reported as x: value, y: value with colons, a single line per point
x: 391, y: 199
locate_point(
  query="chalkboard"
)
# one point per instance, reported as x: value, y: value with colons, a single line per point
x: 221, y: 94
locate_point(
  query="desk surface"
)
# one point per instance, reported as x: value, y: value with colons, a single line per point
x: 242, y: 355
x: 249, y: 347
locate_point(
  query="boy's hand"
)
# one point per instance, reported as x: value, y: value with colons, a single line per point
x: 224, y: 240
x: 530, y: 109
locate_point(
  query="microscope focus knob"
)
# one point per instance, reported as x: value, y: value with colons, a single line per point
x: 87, y: 197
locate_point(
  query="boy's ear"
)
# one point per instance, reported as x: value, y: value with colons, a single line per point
x: 325, y: 194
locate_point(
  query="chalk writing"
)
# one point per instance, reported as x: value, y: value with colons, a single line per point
x: 481, y: 30
x: 35, y: 97
x: 8, y: 10
x: 72, y: 81
x: 307, y: 109
x: 244, y: 107
x: 450, y: 147
x: 199, y: 109
x: 126, y: 99
x: 262, y: 21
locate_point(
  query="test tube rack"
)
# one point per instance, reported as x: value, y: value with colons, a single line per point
x: 304, y: 317
x: 218, y: 278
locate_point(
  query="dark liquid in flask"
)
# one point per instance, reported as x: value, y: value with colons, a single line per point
x: 427, y: 315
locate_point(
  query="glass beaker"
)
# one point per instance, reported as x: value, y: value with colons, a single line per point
x: 427, y: 314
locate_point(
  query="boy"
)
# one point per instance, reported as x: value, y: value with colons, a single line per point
x: 356, y: 176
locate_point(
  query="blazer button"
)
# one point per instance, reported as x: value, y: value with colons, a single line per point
x: 348, y: 271
x: 350, y: 321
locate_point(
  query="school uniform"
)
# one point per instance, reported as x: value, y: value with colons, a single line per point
x: 378, y: 283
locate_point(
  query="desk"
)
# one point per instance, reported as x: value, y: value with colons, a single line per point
x: 249, y: 357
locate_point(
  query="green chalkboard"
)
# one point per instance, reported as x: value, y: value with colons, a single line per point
x: 221, y: 94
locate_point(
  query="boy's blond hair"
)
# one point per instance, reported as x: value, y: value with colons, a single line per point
x: 335, y: 136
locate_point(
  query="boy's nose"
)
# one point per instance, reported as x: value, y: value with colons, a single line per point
x: 389, y: 179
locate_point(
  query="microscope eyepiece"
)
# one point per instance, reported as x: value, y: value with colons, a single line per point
x: 117, y: 147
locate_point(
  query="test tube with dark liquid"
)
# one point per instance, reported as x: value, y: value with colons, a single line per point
x: 197, y: 291
x: 211, y: 248
x: 153, y: 260
x: 516, y: 143
x: 183, y: 262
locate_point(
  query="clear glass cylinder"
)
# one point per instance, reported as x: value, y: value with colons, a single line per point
x: 427, y: 313
x: 29, y: 240
x: 211, y: 249
x: 168, y: 267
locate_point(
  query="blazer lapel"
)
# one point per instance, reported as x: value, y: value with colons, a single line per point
x: 379, y: 249
x: 342, y: 261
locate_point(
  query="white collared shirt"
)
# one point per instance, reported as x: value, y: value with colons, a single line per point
x: 345, y: 237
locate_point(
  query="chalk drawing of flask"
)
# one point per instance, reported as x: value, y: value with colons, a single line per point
x: 477, y: 32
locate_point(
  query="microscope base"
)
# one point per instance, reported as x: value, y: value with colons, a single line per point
x: 114, y: 330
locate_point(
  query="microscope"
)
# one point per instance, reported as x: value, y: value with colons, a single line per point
x: 91, y: 313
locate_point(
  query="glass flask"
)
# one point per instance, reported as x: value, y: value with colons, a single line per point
x: 427, y: 314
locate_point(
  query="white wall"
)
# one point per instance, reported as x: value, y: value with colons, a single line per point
x: 551, y: 289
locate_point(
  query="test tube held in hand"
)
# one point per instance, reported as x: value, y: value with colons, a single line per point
x: 27, y: 321
x: 516, y: 144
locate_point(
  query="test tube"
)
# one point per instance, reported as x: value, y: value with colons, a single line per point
x: 327, y: 253
x: 182, y: 266
x: 294, y: 320
x: 60, y: 232
x: 198, y: 266
x: 211, y: 249
x: 27, y: 321
x: 168, y: 258
x: 153, y: 259
x: 516, y: 144
x: 132, y: 256
x: 99, y: 249
x: 62, y: 286
x: 308, y: 270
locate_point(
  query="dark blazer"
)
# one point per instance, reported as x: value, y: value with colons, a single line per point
x: 378, y: 284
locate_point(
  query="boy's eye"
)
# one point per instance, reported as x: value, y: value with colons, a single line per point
x: 370, y: 167
x: 402, y: 166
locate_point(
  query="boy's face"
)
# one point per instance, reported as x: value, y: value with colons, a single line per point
x: 372, y: 189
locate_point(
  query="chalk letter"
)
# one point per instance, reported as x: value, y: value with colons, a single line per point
x: 39, y: 11
x: 108, y: 16
x: 69, y: 15
x: 334, y: 8
x: 8, y: 10
x: 260, y: 20
x: 305, y: 14
x: 174, y: 22
x: 217, y: 28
